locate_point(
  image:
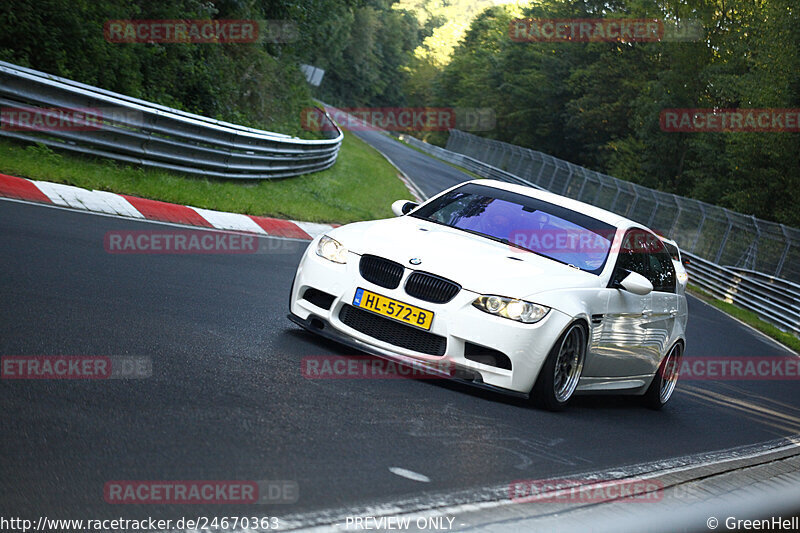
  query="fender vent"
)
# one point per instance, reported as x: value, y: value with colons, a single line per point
x: 323, y: 300
x: 486, y: 356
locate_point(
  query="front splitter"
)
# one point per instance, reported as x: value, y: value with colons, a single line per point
x: 464, y: 375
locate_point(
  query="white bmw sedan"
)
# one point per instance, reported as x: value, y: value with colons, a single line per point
x: 505, y: 287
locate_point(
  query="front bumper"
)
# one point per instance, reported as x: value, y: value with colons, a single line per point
x: 459, y: 374
x: 525, y: 345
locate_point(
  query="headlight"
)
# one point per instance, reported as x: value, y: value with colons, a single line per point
x: 518, y: 310
x: 683, y: 277
x: 332, y: 250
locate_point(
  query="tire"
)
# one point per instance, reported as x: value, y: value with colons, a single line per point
x: 663, y: 385
x: 562, y: 369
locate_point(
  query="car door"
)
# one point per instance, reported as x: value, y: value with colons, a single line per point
x: 663, y: 310
x: 619, y: 334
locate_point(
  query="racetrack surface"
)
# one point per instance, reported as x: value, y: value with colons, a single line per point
x: 227, y: 400
x: 429, y: 174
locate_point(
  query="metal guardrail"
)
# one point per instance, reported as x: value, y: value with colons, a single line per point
x: 770, y: 301
x: 140, y: 132
x: 473, y: 165
x: 773, y: 299
x: 783, y: 285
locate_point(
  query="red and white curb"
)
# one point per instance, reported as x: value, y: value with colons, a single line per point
x: 142, y: 208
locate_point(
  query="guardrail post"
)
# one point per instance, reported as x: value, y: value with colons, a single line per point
x: 674, y: 226
x: 785, y: 253
x: 616, y: 197
x: 653, y: 214
x: 568, y: 180
x: 629, y: 213
x: 583, y: 185
x: 596, y: 198
x: 541, y: 169
x: 700, y: 227
x: 724, y: 238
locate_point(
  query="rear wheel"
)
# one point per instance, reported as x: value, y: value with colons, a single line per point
x: 562, y: 369
x: 663, y: 385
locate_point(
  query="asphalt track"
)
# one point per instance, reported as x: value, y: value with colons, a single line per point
x: 227, y: 400
x: 430, y: 175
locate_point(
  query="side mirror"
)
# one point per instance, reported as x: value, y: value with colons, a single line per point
x: 686, y: 261
x: 402, y: 207
x: 637, y: 284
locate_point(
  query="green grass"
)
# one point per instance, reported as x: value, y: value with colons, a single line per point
x: 749, y: 318
x: 360, y: 186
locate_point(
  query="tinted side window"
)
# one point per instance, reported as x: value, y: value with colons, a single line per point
x: 662, y: 272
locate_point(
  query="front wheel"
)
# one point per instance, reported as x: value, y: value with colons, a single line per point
x: 562, y: 369
x: 663, y: 385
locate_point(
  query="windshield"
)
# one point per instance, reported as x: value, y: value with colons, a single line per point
x: 525, y: 223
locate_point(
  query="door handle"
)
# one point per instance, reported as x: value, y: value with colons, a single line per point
x: 647, y: 312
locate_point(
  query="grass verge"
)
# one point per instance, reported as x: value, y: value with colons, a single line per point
x: 749, y: 318
x: 360, y: 186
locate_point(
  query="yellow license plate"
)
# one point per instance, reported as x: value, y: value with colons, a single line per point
x: 407, y: 314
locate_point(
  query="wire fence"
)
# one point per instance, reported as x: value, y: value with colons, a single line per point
x: 714, y: 233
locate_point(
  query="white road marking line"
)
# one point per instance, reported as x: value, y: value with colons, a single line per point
x: 408, y: 474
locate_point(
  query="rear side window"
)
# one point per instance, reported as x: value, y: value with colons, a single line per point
x: 662, y: 272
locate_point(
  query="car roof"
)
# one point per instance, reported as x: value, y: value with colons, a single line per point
x: 595, y: 212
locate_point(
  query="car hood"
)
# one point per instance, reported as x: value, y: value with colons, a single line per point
x: 476, y: 263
